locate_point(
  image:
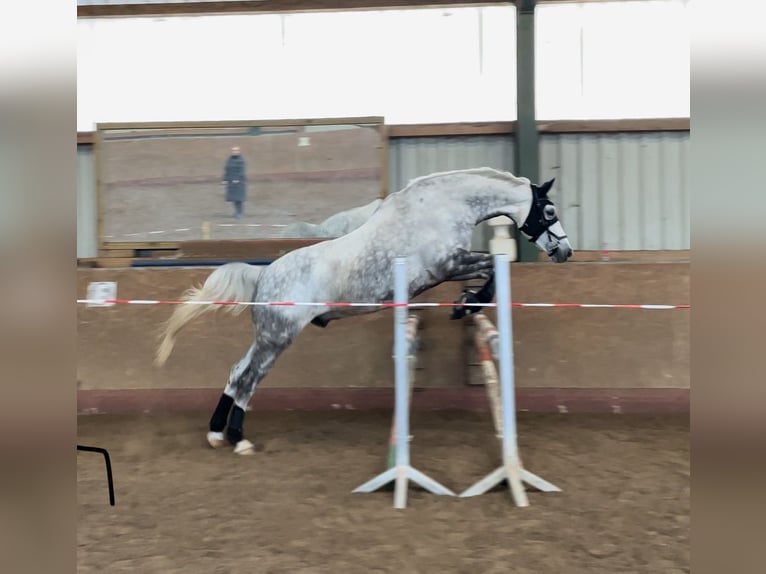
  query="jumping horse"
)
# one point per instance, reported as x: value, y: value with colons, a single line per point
x: 429, y: 222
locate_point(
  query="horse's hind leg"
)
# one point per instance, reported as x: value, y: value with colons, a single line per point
x: 242, y: 388
x: 221, y: 413
x: 244, y: 379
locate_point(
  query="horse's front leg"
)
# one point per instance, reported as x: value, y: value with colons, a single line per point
x: 473, y: 266
x: 467, y: 265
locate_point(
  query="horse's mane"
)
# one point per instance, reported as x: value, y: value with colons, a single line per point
x: 487, y: 172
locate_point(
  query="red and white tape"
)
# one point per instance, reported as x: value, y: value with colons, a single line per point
x: 110, y: 302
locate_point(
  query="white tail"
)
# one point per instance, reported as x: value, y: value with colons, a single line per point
x: 230, y: 282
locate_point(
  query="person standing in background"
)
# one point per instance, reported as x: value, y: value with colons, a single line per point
x: 235, y: 180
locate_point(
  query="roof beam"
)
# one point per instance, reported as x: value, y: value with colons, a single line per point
x: 264, y: 6
x: 280, y: 6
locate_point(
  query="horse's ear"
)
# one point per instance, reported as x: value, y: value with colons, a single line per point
x: 546, y: 187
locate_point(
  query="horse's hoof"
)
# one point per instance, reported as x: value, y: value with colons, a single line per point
x: 215, y: 439
x: 244, y: 447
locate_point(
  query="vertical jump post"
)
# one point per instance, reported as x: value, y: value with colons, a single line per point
x: 402, y: 472
x: 511, y: 468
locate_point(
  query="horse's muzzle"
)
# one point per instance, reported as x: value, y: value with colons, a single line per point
x: 561, y: 253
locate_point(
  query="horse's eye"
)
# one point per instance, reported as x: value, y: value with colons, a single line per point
x: 549, y: 211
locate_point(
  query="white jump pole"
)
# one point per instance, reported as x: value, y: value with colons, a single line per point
x: 511, y: 469
x: 402, y: 472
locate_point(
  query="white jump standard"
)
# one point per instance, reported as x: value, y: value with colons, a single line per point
x: 402, y: 471
x: 511, y: 468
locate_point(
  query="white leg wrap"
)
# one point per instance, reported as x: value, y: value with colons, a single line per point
x: 215, y: 439
x: 244, y: 447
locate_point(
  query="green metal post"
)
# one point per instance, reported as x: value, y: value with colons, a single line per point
x: 527, y: 140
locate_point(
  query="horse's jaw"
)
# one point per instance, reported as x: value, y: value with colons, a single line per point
x: 512, y: 212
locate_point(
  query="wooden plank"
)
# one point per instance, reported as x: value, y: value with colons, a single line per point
x: 130, y: 252
x: 87, y: 262
x: 85, y: 138
x: 296, y: 122
x: 99, y: 188
x: 264, y: 6
x: 239, y: 250
x: 281, y: 6
x: 113, y: 262
x: 435, y: 130
x: 120, y: 245
x: 152, y: 132
x: 451, y: 129
x: 384, y: 161
x: 625, y: 125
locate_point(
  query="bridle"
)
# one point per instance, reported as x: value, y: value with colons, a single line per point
x: 542, y: 216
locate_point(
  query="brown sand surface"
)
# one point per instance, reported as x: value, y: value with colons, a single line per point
x: 183, y: 507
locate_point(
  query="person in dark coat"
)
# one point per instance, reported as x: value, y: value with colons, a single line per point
x: 235, y: 180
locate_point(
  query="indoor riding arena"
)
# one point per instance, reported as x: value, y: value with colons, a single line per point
x: 239, y: 133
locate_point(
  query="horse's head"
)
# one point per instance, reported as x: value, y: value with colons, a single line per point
x: 543, y: 227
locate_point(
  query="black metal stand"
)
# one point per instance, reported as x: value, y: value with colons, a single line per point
x: 108, y: 467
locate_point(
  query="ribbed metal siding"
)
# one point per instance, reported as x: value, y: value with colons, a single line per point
x: 87, y: 244
x: 619, y: 191
x: 625, y: 191
x: 414, y: 157
x: 409, y: 158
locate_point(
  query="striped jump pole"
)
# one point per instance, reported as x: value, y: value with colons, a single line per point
x: 485, y: 341
x: 402, y: 472
x: 511, y: 469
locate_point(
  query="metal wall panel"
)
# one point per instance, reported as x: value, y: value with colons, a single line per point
x: 87, y: 218
x: 409, y: 158
x: 413, y: 157
x: 627, y: 191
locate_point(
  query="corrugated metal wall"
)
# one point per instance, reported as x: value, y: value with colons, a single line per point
x: 413, y: 157
x: 626, y: 191
x: 622, y: 191
x: 87, y: 243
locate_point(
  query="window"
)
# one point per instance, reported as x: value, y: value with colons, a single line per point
x: 411, y: 66
x: 609, y: 60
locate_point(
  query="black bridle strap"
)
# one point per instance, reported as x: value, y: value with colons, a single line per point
x: 559, y: 237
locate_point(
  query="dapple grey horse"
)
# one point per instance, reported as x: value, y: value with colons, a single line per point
x: 430, y: 222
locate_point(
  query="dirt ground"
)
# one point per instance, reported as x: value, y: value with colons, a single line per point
x: 183, y: 507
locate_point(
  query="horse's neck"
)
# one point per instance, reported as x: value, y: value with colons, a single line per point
x: 487, y: 197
